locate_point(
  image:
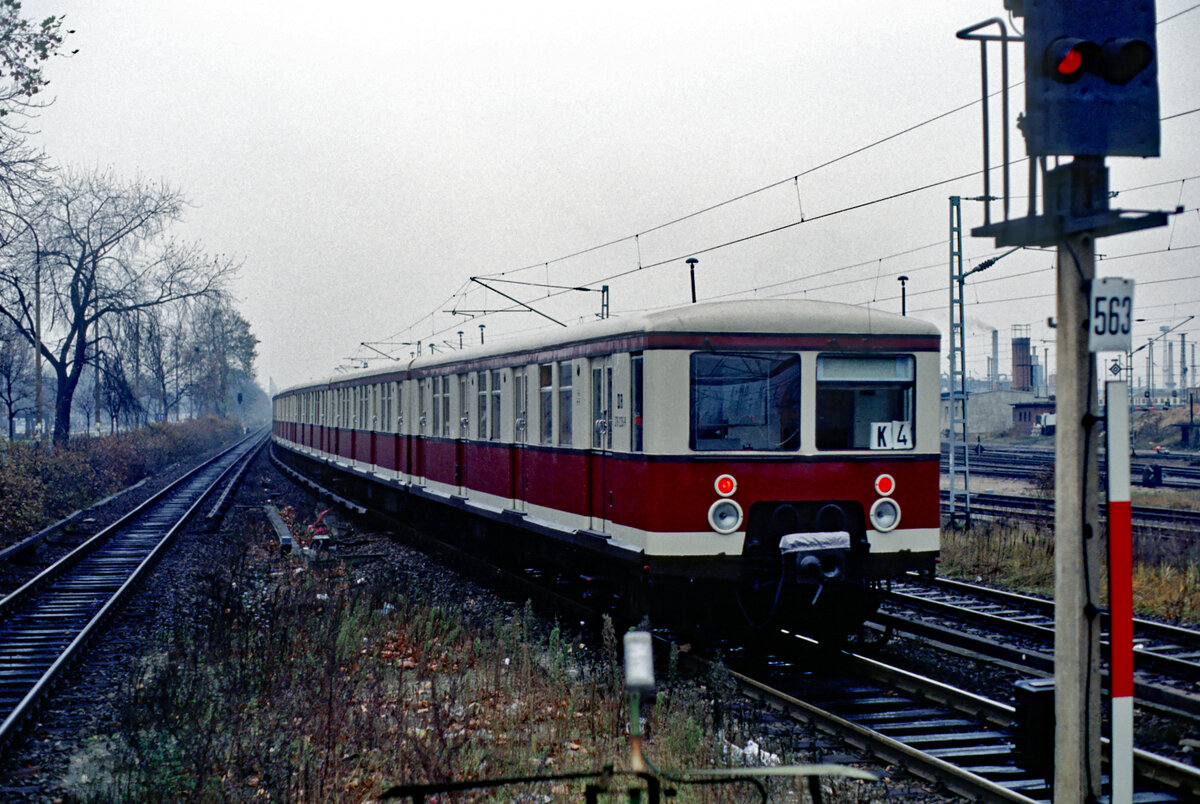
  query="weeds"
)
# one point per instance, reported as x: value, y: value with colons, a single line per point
x: 39, y: 484
x: 1000, y: 554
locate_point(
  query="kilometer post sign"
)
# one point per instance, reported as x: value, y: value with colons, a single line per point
x: 1110, y: 328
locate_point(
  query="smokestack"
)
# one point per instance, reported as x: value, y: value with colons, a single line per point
x: 1170, y: 367
x: 1022, y: 364
x: 994, y: 375
x: 1183, y: 368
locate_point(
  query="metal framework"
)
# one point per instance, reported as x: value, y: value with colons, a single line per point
x: 959, y: 467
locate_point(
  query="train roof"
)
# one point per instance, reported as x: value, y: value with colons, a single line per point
x: 749, y: 317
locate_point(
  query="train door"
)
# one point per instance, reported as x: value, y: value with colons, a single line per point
x: 602, y: 432
x: 520, y: 435
x: 423, y: 390
x: 464, y: 431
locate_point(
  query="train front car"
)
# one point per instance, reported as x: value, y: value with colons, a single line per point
x: 804, y: 466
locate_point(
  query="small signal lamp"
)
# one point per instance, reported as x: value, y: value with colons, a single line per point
x: 639, y: 662
x: 1068, y: 59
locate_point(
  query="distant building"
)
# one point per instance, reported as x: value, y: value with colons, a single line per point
x: 1025, y: 415
x: 989, y: 413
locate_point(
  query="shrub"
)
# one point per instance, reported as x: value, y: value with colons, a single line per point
x: 39, y: 484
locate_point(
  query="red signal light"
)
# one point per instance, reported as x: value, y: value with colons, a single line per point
x: 725, y: 485
x: 1072, y: 62
x: 1068, y: 59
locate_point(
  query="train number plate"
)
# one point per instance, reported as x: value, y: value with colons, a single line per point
x: 891, y: 435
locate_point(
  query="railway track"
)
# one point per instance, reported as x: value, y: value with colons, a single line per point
x: 965, y: 742
x: 46, y: 624
x: 1019, y: 630
x: 987, y: 505
x: 1027, y: 464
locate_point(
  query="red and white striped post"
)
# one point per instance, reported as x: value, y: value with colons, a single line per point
x: 1120, y: 591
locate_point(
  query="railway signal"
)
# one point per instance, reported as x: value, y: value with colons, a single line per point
x: 1091, y: 78
x: 1091, y: 91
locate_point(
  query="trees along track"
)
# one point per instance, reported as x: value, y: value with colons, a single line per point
x: 46, y: 623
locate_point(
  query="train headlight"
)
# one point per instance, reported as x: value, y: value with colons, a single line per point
x: 725, y: 516
x: 885, y: 514
x: 726, y: 485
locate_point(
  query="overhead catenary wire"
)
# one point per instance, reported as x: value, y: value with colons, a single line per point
x: 795, y: 179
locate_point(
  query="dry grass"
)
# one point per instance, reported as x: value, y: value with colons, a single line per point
x: 1001, y: 555
x: 1022, y: 560
x: 1166, y: 498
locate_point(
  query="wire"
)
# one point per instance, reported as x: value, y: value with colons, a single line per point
x: 1178, y: 14
x: 1178, y: 114
x: 750, y: 193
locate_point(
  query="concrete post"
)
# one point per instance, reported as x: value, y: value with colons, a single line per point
x: 1077, y: 538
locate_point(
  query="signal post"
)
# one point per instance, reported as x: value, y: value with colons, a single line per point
x: 1091, y: 91
x: 1076, y: 533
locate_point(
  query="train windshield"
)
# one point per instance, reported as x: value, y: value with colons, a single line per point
x: 745, y: 401
x: 865, y: 402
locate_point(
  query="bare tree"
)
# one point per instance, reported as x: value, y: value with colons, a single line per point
x: 118, y: 393
x: 224, y: 350
x: 162, y: 352
x: 101, y: 248
x: 16, y: 375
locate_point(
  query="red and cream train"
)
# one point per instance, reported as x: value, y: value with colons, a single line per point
x: 754, y: 460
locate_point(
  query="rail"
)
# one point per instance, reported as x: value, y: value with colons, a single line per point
x: 47, y: 622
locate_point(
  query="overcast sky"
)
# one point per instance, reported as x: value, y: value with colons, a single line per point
x: 365, y: 159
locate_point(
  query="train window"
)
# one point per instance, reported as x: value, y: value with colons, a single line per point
x: 422, y: 404
x: 865, y: 402
x: 564, y: 403
x: 481, y: 391
x: 385, y: 415
x: 446, y: 428
x: 637, y: 382
x: 494, y: 424
x: 520, y: 405
x: 464, y: 402
x: 437, y: 406
x: 546, y: 398
x: 745, y: 401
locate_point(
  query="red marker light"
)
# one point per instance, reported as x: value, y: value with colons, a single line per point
x: 725, y: 485
x: 885, y: 485
x: 1068, y: 59
x: 1070, y: 63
